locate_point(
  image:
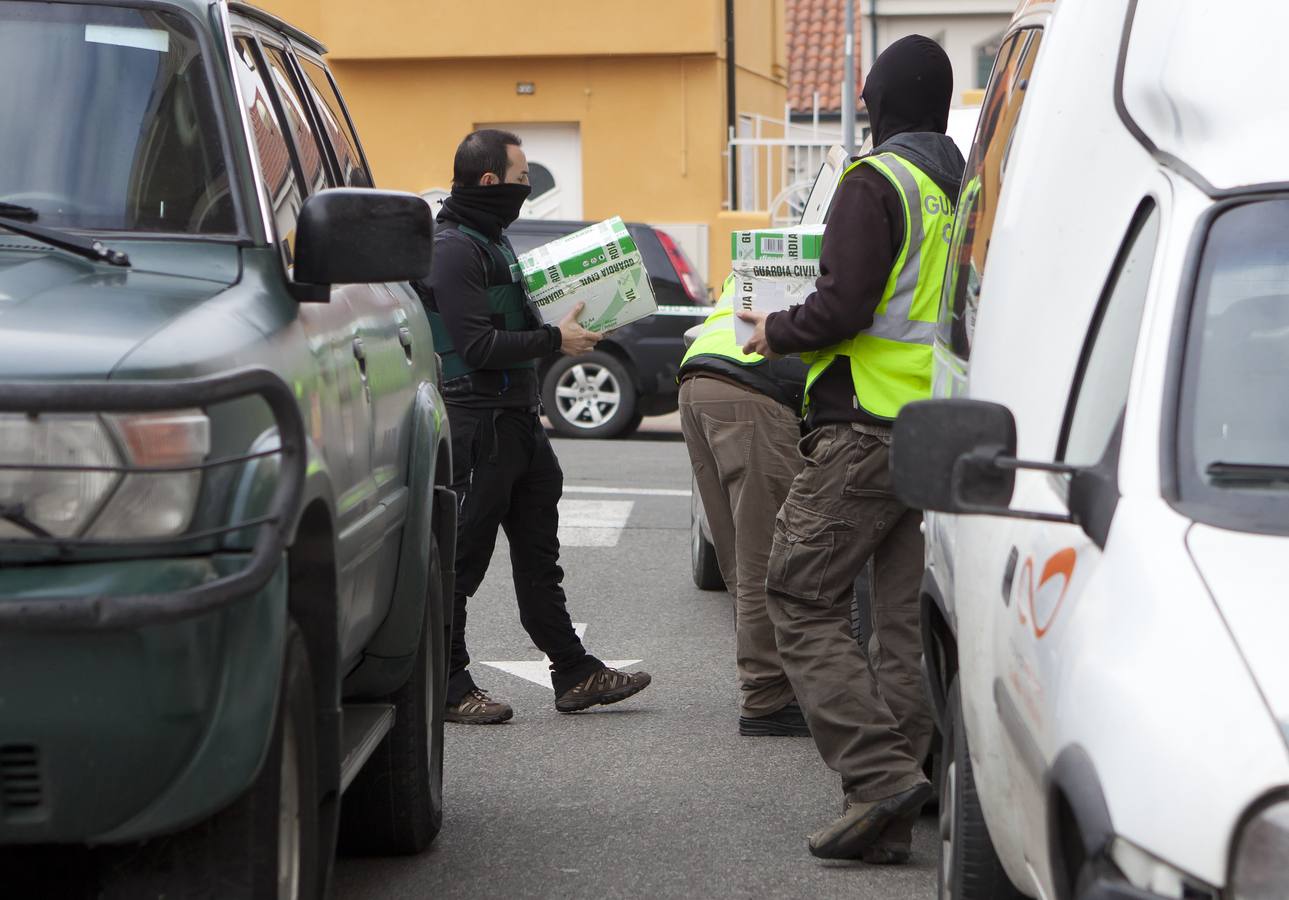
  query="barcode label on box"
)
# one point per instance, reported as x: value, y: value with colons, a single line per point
x: 772, y: 245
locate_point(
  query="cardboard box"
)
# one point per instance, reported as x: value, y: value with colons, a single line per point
x: 600, y: 266
x: 774, y: 269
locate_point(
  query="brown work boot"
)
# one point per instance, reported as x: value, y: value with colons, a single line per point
x: 863, y: 822
x: 894, y: 845
x: 477, y: 708
x: 604, y: 687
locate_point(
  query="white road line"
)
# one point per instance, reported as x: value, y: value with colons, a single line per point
x: 592, y: 523
x: 540, y: 672
x: 629, y: 491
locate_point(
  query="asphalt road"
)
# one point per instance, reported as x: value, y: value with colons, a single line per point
x: 657, y: 796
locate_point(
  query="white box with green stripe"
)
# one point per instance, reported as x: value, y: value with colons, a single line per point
x: 774, y: 269
x: 600, y: 266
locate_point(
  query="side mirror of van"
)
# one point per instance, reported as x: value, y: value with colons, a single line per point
x: 360, y: 236
x: 944, y: 455
x: 959, y: 456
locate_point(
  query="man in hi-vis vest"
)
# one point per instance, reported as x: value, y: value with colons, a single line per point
x: 739, y: 414
x: 866, y: 334
x: 504, y: 470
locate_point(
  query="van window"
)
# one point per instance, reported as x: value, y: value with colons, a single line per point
x: 1233, y: 423
x: 271, y: 149
x: 307, y: 143
x: 1101, y: 387
x: 981, y: 188
x: 353, y: 171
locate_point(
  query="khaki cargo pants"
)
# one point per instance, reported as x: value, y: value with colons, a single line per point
x: 743, y: 446
x: 872, y: 725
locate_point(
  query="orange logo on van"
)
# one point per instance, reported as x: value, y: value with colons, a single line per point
x: 1044, y: 600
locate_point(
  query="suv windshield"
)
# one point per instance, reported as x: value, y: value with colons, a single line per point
x: 108, y: 121
x: 1233, y: 439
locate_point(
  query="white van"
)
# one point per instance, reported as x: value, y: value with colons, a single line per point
x: 1106, y: 605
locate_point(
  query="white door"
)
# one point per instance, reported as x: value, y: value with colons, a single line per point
x: 554, y: 151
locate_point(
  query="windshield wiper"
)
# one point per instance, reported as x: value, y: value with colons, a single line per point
x: 18, y: 219
x: 1247, y: 473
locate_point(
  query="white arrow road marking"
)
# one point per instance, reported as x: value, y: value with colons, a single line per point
x: 592, y: 523
x: 539, y: 672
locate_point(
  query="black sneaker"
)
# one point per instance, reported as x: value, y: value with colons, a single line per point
x: 863, y: 823
x: 787, y: 722
x: 894, y: 845
x: 604, y: 687
x: 477, y: 708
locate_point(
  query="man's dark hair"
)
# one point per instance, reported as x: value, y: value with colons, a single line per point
x: 481, y: 152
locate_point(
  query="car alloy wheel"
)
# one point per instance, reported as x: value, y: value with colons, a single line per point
x: 947, y: 801
x: 588, y: 395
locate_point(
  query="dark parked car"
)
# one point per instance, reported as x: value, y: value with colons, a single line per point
x: 632, y: 372
x: 225, y: 536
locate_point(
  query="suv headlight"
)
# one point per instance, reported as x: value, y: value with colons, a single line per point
x: 67, y: 503
x: 1260, y: 871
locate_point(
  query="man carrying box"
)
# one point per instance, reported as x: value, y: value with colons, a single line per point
x: 739, y: 416
x: 866, y: 333
x: 504, y: 470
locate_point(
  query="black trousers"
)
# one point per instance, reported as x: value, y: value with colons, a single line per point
x: 505, y: 474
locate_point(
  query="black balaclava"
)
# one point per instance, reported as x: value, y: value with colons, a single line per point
x: 909, y: 89
x: 489, y: 209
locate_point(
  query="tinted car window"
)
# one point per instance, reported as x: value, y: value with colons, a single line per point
x: 1102, y: 388
x: 353, y: 172
x: 982, y: 187
x: 108, y: 121
x: 271, y: 148
x: 308, y: 147
x: 1233, y: 439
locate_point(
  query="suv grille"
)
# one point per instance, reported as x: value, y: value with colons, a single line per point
x: 20, y: 788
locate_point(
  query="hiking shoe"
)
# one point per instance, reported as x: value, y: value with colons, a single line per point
x: 863, y: 822
x: 789, y: 722
x: 477, y: 708
x: 604, y: 687
x: 894, y: 845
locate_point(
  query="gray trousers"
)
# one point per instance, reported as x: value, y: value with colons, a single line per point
x: 872, y: 725
x: 743, y: 446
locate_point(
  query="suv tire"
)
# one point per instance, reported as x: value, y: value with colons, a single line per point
x: 395, y: 804
x: 704, y: 566
x: 265, y: 844
x: 969, y: 865
x: 590, y: 396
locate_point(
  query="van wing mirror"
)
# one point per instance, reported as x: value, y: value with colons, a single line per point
x: 943, y: 455
x: 959, y: 456
x: 361, y: 236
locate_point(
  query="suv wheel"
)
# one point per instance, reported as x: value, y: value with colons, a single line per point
x: 590, y: 396
x: 265, y: 844
x: 969, y: 865
x: 395, y: 805
x: 702, y: 555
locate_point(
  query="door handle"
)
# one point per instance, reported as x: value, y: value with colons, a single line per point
x: 405, y: 338
x: 360, y: 354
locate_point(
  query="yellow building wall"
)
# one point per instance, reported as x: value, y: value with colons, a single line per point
x: 652, y: 126
x: 437, y: 29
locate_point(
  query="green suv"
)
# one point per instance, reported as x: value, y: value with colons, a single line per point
x: 225, y: 532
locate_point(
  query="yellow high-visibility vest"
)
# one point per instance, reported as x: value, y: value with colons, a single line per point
x: 890, y: 362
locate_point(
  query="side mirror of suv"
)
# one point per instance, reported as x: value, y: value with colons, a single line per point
x: 360, y: 236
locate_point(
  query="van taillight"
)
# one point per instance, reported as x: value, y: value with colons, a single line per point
x: 694, y: 286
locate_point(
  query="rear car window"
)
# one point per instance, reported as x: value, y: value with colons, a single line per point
x: 1233, y: 427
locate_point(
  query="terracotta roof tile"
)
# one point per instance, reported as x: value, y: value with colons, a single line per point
x: 816, y: 40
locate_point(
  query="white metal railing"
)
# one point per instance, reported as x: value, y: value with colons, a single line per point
x: 776, y: 163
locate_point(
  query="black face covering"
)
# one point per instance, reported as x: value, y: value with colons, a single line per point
x: 489, y: 209
x: 909, y: 89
